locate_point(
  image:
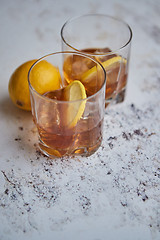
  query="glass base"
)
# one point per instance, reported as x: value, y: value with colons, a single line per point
x: 119, y: 98
x: 81, y: 151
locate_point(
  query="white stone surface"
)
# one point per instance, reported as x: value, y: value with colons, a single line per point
x: 114, y: 194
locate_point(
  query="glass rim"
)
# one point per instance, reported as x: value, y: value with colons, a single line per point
x: 101, y: 15
x: 65, y: 52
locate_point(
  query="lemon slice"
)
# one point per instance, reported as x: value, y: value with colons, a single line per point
x: 108, y: 65
x: 73, y: 92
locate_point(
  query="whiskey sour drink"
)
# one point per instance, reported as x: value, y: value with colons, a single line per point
x: 69, y: 120
x: 106, y: 39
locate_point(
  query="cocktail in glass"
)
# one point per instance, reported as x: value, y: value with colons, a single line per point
x: 67, y: 128
x: 108, y: 40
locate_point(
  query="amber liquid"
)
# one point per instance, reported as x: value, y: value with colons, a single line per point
x: 116, y: 75
x: 57, y: 139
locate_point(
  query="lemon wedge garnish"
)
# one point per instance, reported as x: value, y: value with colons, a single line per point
x: 108, y: 65
x: 74, y: 110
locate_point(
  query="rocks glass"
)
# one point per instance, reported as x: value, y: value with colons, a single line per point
x: 51, y: 114
x: 108, y: 40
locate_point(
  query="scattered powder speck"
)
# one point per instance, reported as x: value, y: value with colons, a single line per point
x: 123, y: 175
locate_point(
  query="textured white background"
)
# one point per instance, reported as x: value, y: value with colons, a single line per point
x: 114, y: 194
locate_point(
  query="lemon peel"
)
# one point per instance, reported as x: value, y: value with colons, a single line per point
x: 18, y: 86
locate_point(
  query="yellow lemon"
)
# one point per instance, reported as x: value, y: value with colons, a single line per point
x: 45, y: 77
x: 75, y: 92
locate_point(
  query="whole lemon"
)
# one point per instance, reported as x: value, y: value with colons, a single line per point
x: 45, y: 77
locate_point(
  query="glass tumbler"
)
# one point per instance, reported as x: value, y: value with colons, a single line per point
x: 108, y: 40
x: 68, y: 127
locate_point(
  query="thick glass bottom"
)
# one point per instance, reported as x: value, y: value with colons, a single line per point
x: 84, y: 151
x: 119, y: 98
